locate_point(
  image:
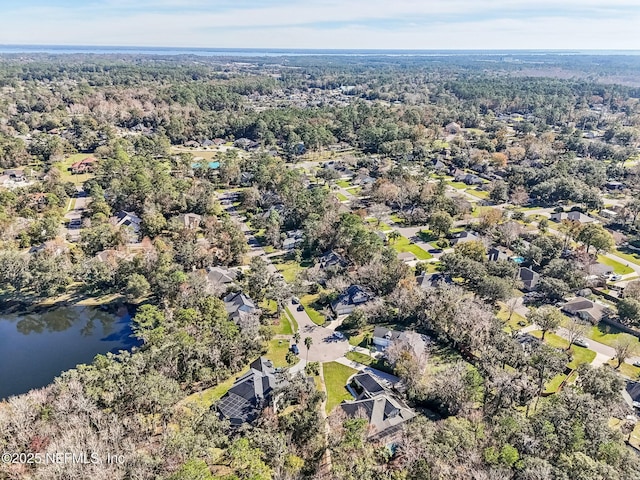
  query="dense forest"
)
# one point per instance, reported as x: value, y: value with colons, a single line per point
x: 540, y: 132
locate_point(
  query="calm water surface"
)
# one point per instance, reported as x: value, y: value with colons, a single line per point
x: 37, y: 347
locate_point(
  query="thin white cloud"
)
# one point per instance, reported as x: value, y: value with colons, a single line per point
x: 436, y: 24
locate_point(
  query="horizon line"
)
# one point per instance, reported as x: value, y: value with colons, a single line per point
x: 272, y: 49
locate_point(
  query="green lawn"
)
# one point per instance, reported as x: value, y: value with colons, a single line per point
x: 427, y: 236
x: 458, y: 185
x: 608, y: 334
x: 354, y: 190
x: 403, y: 244
x: 309, y: 304
x: 396, y: 219
x: 357, y: 338
x: 268, y: 306
x: 478, y: 211
x: 341, y: 197
x: 335, y: 380
x: 369, y: 361
x: 628, y: 254
x: 208, y: 397
x: 277, y: 352
x: 344, y: 183
x: 64, y: 166
x: 289, y: 270
x: 503, y: 315
x: 292, y: 320
x: 478, y: 193
x: 626, y: 369
x: 553, y: 384
x: 580, y: 355
x: 618, y: 267
x: 283, y: 327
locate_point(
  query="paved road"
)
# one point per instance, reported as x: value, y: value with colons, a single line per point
x: 322, y: 348
x: 81, y: 203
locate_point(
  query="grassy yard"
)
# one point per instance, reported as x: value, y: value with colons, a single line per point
x: 357, y: 339
x: 354, y: 190
x: 628, y: 254
x: 516, y: 318
x: 344, y: 183
x: 618, y: 267
x: 208, y: 397
x: 580, y: 355
x: 309, y: 303
x: 268, y: 306
x: 478, y: 193
x: 289, y: 269
x: 457, y: 185
x: 335, y: 379
x: 277, y: 352
x: 608, y: 334
x: 284, y: 326
x: 341, y: 197
x: 626, y: 369
x: 64, y: 166
x: 292, y: 320
x: 403, y: 244
x: 553, y: 384
x: 369, y: 361
x: 396, y: 219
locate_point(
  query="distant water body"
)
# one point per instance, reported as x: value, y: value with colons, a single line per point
x: 263, y: 52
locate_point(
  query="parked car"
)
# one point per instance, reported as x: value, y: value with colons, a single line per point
x: 615, y: 277
x: 295, y: 300
x: 300, y: 308
x: 338, y: 335
x: 581, y: 342
x: 295, y: 349
x: 636, y: 363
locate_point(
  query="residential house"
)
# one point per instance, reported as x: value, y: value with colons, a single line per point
x: 127, y: 219
x: 494, y: 254
x: 631, y: 394
x: 15, y: 175
x: 432, y: 280
x: 438, y: 165
x: 363, y: 179
x: 528, y: 342
x: 612, y: 185
x: 585, y: 309
x: 332, y: 259
x: 466, y: 236
x: 469, y: 179
x: 84, y: 166
x: 246, y: 144
x: 609, y: 214
x: 353, y: 297
x: 529, y: 279
x: 251, y: 393
x: 220, y: 276
x: 383, y: 337
x: 191, y: 144
x: 191, y: 221
x: 573, y: 216
x: 294, y: 238
x: 384, y: 411
x: 453, y: 128
x: 238, y: 305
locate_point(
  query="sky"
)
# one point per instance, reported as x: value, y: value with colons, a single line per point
x: 325, y: 24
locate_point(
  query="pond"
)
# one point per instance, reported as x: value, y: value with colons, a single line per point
x: 37, y: 347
